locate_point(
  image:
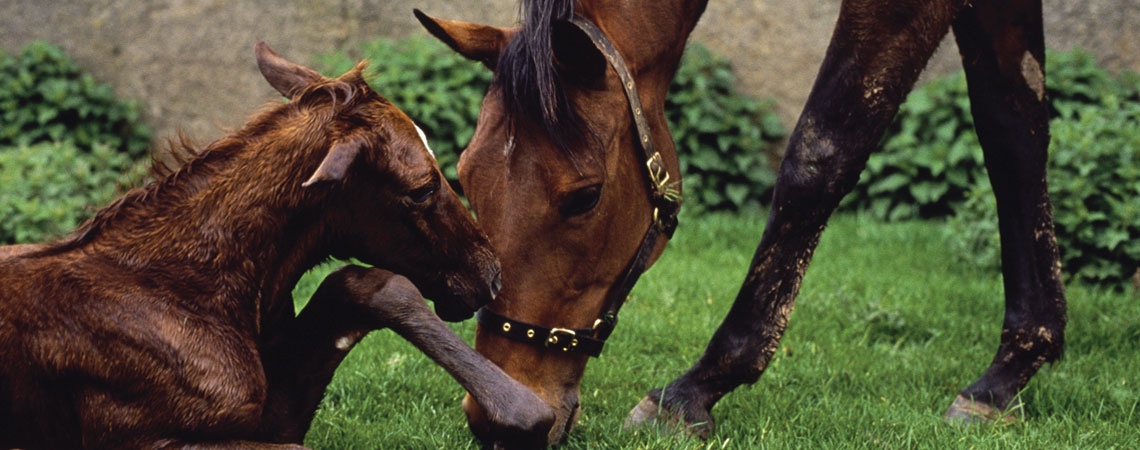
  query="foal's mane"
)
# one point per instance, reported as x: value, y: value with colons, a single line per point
x: 193, y: 166
x: 528, y: 79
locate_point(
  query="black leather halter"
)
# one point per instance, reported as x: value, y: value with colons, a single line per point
x: 666, y: 204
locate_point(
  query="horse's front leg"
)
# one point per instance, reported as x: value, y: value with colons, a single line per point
x: 355, y: 300
x: 876, y: 53
x: 1003, y: 52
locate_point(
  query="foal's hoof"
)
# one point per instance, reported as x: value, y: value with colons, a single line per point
x: 650, y: 410
x: 516, y: 420
x: 965, y: 411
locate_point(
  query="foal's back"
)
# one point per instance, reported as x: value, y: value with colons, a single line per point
x: 79, y: 337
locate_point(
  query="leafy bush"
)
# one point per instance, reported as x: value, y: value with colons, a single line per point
x: 930, y: 157
x: 439, y: 89
x: 64, y: 141
x: 49, y: 187
x: 1094, y: 183
x: 722, y: 136
x: 45, y: 96
x: 1075, y: 81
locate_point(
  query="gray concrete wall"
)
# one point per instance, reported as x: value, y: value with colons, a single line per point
x: 191, y: 61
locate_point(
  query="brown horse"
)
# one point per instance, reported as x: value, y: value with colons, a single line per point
x: 167, y: 320
x: 555, y: 177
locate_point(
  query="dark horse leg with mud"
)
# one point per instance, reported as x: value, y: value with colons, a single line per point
x: 351, y: 302
x: 876, y: 53
x: 1003, y: 52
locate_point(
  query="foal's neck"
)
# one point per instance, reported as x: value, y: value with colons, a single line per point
x: 233, y: 224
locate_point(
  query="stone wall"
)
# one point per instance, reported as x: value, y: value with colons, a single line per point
x: 191, y: 61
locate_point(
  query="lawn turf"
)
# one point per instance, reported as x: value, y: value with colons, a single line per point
x: 887, y: 328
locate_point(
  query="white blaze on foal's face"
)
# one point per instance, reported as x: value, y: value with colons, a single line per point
x: 423, y: 137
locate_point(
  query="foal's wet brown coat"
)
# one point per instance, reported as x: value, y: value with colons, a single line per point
x: 565, y: 214
x: 167, y: 320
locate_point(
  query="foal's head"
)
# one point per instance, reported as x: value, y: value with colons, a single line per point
x: 555, y: 175
x: 374, y: 188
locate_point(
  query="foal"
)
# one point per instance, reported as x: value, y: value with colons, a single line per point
x: 167, y: 321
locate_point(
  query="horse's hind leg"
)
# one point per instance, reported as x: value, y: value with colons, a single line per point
x: 353, y: 301
x: 876, y: 53
x: 1003, y: 51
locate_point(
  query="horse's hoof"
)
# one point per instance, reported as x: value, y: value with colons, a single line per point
x: 645, y: 412
x: 650, y: 411
x: 965, y: 411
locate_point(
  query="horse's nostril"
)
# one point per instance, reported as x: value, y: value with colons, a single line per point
x: 496, y: 285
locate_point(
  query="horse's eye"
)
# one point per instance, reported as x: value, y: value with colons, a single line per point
x: 423, y: 193
x: 582, y: 200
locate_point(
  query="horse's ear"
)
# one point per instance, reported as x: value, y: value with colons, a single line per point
x: 289, y: 79
x: 579, y: 60
x: 476, y: 42
x: 336, y: 163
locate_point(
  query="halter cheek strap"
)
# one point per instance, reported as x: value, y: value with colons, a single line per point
x: 666, y: 204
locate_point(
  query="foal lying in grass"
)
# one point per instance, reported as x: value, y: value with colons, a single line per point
x: 167, y: 320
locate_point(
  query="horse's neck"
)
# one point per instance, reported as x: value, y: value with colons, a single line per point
x: 657, y: 30
x: 238, y: 233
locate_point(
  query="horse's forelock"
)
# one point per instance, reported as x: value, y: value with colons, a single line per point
x: 527, y: 79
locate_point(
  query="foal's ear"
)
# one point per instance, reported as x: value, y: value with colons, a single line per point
x: 289, y: 79
x: 337, y: 161
x: 476, y: 42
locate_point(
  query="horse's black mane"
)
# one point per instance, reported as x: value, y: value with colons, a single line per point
x: 527, y: 77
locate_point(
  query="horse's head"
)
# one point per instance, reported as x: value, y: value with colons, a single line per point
x: 557, y: 178
x: 374, y: 189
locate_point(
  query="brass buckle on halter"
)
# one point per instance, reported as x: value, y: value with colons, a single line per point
x: 570, y: 338
x: 657, y: 173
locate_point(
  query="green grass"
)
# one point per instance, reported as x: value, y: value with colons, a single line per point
x: 887, y: 328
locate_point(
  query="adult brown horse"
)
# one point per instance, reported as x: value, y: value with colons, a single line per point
x: 167, y: 320
x: 556, y: 177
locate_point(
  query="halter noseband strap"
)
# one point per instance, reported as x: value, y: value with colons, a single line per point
x: 577, y: 340
x: 666, y: 204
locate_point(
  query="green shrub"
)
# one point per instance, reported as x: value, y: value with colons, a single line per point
x: 930, y: 157
x: 1075, y: 80
x: 722, y: 136
x: 1094, y: 183
x: 45, y: 96
x: 439, y: 89
x: 51, y: 187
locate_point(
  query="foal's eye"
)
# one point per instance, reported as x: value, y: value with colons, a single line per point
x: 423, y: 193
x: 582, y: 200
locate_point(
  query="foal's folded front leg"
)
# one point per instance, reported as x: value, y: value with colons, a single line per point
x: 512, y: 408
x: 355, y: 300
